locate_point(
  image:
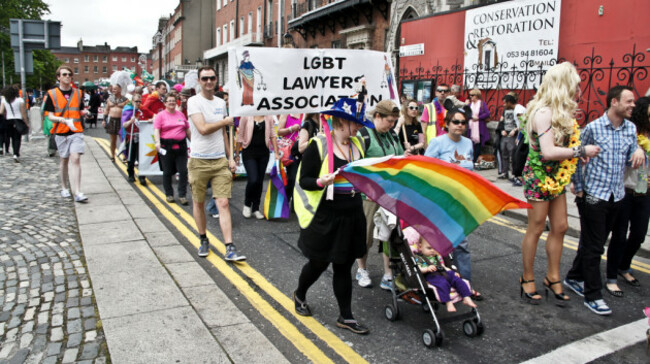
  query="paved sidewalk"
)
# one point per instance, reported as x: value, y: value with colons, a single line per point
x: 48, y: 313
x: 157, y: 304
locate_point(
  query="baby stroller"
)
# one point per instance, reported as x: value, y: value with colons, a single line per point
x: 414, y: 289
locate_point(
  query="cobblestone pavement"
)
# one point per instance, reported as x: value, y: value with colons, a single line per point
x: 48, y: 312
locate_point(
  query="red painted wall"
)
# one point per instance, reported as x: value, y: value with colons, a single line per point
x: 611, y: 36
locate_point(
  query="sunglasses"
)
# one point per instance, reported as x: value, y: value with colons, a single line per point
x: 459, y: 122
x: 442, y: 91
x: 66, y: 74
x: 473, y: 95
x: 413, y: 107
x: 208, y: 78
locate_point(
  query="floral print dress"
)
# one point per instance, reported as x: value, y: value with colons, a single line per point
x: 532, y: 188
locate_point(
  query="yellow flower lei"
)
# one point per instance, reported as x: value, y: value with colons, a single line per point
x: 644, y: 142
x: 555, y: 184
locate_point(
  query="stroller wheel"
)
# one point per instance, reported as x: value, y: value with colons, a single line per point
x: 470, y: 328
x: 391, y: 313
x: 429, y: 338
x: 479, y: 327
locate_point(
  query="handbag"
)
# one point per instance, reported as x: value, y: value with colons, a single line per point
x: 21, y: 127
x: 284, y: 149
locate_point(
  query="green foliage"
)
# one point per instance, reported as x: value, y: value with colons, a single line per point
x: 24, y: 9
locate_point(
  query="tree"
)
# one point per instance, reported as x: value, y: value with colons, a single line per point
x: 19, y: 9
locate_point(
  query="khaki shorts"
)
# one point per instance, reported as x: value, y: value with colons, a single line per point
x: 215, y: 171
x: 66, y: 144
x: 369, y: 209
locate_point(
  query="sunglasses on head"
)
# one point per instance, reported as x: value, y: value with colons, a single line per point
x: 458, y: 122
x: 208, y: 78
x: 413, y: 107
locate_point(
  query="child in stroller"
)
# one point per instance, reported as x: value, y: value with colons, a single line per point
x: 438, y: 275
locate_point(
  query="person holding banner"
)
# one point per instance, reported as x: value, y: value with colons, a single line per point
x: 256, y: 134
x: 131, y: 117
x: 332, y: 229
x: 289, y: 128
x: 409, y: 129
x: 170, y: 131
x: 211, y: 160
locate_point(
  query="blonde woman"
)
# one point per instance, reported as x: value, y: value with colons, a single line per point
x: 409, y: 129
x: 550, y: 128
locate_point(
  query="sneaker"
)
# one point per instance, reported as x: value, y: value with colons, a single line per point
x: 301, y: 307
x: 131, y: 179
x: 215, y: 216
x: 387, y: 283
x: 352, y: 325
x: 16, y: 159
x: 517, y: 182
x: 246, y: 212
x: 232, y: 255
x: 363, y: 278
x: 575, y: 286
x: 258, y: 215
x: 170, y: 199
x: 204, y: 249
x: 143, y: 180
x: 183, y: 201
x: 503, y: 176
x: 599, y: 307
x: 80, y: 197
x: 65, y: 193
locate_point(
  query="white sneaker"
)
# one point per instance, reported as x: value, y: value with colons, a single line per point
x: 80, y: 197
x: 363, y: 278
x: 246, y: 212
x: 65, y: 193
x: 215, y: 216
x: 258, y: 215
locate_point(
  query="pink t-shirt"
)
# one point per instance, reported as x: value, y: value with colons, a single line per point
x: 171, y: 125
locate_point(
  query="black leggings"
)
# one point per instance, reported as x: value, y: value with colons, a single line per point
x: 15, y: 137
x: 342, y: 282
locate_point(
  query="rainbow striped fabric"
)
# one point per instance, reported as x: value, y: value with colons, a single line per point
x: 440, y: 200
x: 276, y: 203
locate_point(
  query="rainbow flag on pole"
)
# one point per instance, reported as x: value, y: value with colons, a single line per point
x: 440, y: 200
x: 276, y: 204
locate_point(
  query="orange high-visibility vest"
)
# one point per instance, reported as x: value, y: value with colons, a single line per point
x: 72, y: 111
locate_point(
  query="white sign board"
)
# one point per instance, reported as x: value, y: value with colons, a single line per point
x: 510, y: 34
x: 284, y: 80
x: 411, y: 50
x: 148, y: 157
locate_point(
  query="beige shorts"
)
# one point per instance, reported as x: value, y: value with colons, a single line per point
x: 369, y: 210
x: 66, y: 144
x: 215, y: 171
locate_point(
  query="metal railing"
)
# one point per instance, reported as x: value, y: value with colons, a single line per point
x: 596, y: 77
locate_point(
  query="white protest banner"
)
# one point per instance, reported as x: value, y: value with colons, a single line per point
x: 148, y: 157
x: 511, y: 33
x: 266, y: 81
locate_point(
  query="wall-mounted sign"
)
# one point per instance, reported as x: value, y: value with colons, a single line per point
x: 411, y: 50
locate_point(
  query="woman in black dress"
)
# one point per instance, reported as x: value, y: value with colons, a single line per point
x: 336, y: 232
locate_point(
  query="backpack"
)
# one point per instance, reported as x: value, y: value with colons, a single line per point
x: 365, y: 134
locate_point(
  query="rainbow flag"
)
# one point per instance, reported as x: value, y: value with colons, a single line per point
x: 440, y: 200
x: 276, y: 204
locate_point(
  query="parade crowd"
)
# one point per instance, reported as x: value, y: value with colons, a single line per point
x: 540, y: 147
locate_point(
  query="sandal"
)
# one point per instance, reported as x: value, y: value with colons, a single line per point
x: 476, y: 295
x: 528, y: 297
x: 632, y: 282
x: 560, y: 298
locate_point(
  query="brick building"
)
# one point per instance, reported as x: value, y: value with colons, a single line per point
x: 91, y: 63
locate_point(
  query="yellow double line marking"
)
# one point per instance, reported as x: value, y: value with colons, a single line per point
x: 284, y: 326
x: 568, y: 242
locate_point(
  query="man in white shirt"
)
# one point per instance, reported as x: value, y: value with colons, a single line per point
x: 209, y: 160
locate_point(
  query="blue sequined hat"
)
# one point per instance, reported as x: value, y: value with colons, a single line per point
x: 346, y: 108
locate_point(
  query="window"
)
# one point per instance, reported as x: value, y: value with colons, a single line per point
x: 95, y: 58
x: 104, y: 59
x: 218, y: 5
x: 66, y: 60
x: 86, y: 58
x: 95, y: 69
x: 218, y: 35
x: 104, y: 70
x: 225, y: 33
x: 85, y: 69
x: 76, y: 60
x: 250, y: 22
x: 241, y: 26
x: 123, y: 59
x: 76, y: 70
x: 132, y: 59
x: 114, y: 58
x: 114, y: 68
x: 336, y: 44
x: 232, y: 30
x: 258, y: 25
x: 269, y: 13
x: 225, y: 2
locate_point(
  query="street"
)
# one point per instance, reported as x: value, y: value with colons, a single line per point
x: 514, y: 331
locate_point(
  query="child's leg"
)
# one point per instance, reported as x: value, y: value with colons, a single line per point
x: 462, y: 289
x: 450, y: 307
x: 442, y: 286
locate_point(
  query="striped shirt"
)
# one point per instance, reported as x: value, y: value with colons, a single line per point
x: 602, y: 177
